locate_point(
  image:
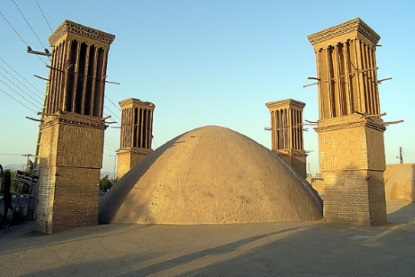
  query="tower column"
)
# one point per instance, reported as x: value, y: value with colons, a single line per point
x: 351, y: 146
x: 136, y: 133
x: 71, y: 141
x: 286, y: 128
x: 347, y: 77
x: 93, y: 79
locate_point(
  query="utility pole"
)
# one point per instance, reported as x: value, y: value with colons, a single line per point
x: 400, y: 155
x: 27, y: 159
x: 115, y: 163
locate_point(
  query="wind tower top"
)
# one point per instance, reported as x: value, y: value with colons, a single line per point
x: 74, y: 31
x: 349, y: 30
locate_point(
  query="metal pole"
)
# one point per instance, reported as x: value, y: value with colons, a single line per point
x: 400, y: 155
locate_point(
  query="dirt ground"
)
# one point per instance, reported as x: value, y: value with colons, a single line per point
x: 264, y: 249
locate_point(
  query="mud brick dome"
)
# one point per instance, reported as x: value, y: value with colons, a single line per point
x: 210, y: 175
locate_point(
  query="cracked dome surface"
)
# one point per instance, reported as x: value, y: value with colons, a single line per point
x: 210, y: 175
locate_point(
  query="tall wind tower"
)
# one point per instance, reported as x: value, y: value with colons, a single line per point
x: 350, y: 130
x: 287, y: 133
x: 72, y: 140
x: 136, y: 133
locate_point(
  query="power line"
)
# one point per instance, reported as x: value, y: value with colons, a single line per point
x: 109, y: 149
x: 17, y: 101
x: 11, y: 26
x: 17, y: 93
x: 111, y: 112
x: 21, y: 89
x: 28, y: 24
x: 17, y: 33
x: 111, y: 143
x: 43, y: 14
x: 19, y: 81
x: 22, y: 77
x: 117, y: 107
x: 110, y: 140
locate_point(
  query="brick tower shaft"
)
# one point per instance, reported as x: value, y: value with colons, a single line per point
x: 136, y: 133
x: 350, y: 130
x: 72, y: 131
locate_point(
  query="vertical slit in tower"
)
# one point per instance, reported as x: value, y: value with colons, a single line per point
x: 136, y: 131
x: 99, y: 83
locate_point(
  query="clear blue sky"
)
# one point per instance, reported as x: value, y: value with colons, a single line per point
x: 204, y: 63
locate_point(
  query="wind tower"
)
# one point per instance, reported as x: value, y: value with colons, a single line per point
x: 71, y: 144
x: 136, y: 133
x: 350, y: 130
x: 287, y: 133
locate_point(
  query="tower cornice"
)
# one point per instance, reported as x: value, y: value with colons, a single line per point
x: 356, y: 26
x: 75, y: 28
x: 285, y: 103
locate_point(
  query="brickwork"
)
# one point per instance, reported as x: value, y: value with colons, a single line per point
x: 297, y: 160
x: 351, y: 142
x: 136, y: 133
x: 129, y: 157
x: 287, y: 133
x: 70, y: 161
x: 355, y: 196
x: 350, y: 128
x: 72, y: 131
x: 353, y: 176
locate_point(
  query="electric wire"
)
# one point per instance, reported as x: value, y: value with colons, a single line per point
x: 28, y: 24
x: 109, y: 142
x: 17, y: 92
x: 44, y: 16
x: 18, y: 101
x: 41, y: 93
x: 109, y: 110
x: 11, y: 75
x: 11, y: 26
x: 36, y: 100
x: 108, y: 148
x: 117, y: 107
x: 17, y: 33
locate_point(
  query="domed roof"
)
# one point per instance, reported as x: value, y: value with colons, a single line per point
x: 210, y: 175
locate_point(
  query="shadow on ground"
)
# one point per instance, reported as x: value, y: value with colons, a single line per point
x: 263, y: 249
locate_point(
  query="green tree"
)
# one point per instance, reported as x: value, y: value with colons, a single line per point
x: 105, y: 184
